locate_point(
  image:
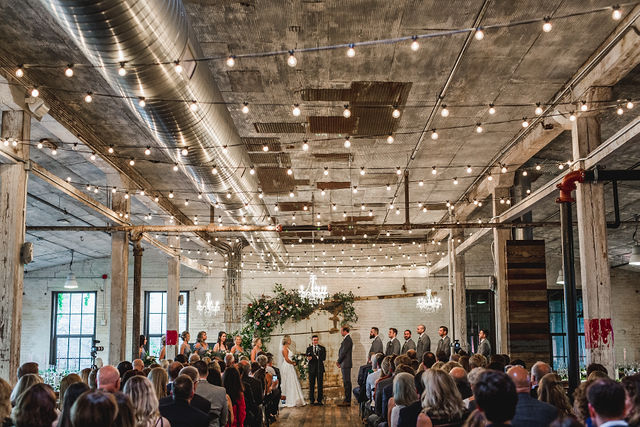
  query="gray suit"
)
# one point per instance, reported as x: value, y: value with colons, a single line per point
x: 393, y: 347
x: 408, y: 345
x: 376, y: 346
x: 485, y: 348
x: 344, y: 359
x: 218, y: 398
x: 444, y: 345
x: 424, y: 345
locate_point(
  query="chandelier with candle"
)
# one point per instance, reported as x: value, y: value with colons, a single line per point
x: 208, y: 308
x: 429, y: 303
x: 313, y: 293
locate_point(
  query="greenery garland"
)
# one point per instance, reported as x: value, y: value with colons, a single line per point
x: 264, y: 314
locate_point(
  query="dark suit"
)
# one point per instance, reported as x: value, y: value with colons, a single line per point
x: 181, y: 414
x: 380, y: 394
x: 533, y: 413
x: 409, y: 414
x: 316, y: 371
x: 376, y: 347
x: 387, y: 393
x: 197, y: 402
x: 444, y: 345
x: 253, y: 396
x: 344, y: 359
x: 393, y: 347
x: 423, y: 345
x: 408, y: 345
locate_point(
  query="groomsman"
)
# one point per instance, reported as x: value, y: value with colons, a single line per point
x: 444, y: 345
x: 484, y: 348
x: 316, y: 355
x: 424, y: 342
x: 376, y: 345
x: 393, y: 346
x: 345, y: 363
x: 408, y: 342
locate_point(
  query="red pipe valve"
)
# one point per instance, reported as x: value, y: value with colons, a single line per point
x: 568, y: 184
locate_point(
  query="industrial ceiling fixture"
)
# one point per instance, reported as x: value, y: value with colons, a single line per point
x: 429, y: 303
x: 560, y: 279
x: 313, y: 293
x: 208, y: 308
x: 71, y: 282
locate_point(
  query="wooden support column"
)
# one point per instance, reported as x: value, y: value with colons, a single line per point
x: 592, y: 233
x: 500, y: 237
x: 137, y: 297
x: 173, y: 294
x: 119, y: 278
x: 13, y: 206
x: 459, y: 292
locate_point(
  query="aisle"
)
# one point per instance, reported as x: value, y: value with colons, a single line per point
x: 327, y: 415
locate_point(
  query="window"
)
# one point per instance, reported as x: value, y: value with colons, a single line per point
x: 480, y: 315
x: 155, y: 319
x: 74, y: 328
x: 558, y: 329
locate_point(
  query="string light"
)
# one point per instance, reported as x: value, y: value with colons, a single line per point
x: 421, y: 183
x: 178, y: 67
x: 503, y: 169
x: 620, y: 111
x: 291, y: 194
x: 194, y: 106
x: 538, y: 167
x: 525, y: 173
x: 525, y: 123
x: 289, y: 171
x: 479, y: 33
x: 390, y: 139
x: 122, y: 71
x: 35, y: 92
x: 92, y: 156
x: 275, y: 207
x: 546, y: 27
x: 398, y: 171
x: 142, y: 102
x: 245, y: 108
x: 433, y: 171
x: 414, y: 44
x: 231, y: 61
x: 186, y: 202
x: 355, y: 189
x: 362, y: 171
x: 396, y: 113
x: 538, y: 109
x: 479, y: 128
x: 347, y: 142
x: 489, y: 177
x: 88, y: 98
x: 296, y: 110
x: 434, y: 134
x: 228, y: 195
x: 326, y: 171
x: 132, y: 162
x: 305, y: 145
x: 455, y: 181
x: 572, y: 117
x: 323, y: 192
x: 19, y: 71
x: 445, y: 111
x: 388, y: 187
x: 469, y: 170
x: 54, y: 151
x: 351, y: 52
x: 292, y: 61
x: 334, y: 207
x: 252, y: 170
x: 69, y: 70
x: 616, y: 14
x: 110, y: 149
x: 346, y: 112
x: 147, y: 151
x: 184, y: 151
x: 629, y: 105
x: 583, y: 106
x: 265, y: 148
x: 214, y: 170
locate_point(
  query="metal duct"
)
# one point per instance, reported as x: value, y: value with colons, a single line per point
x: 152, y: 31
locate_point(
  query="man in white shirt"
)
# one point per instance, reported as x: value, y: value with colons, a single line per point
x: 606, y: 403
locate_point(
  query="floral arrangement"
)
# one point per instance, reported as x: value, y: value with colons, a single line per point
x: 302, y: 364
x: 264, y: 314
x: 214, y: 354
x: 149, y: 360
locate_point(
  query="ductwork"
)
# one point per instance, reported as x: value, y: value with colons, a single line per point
x: 156, y: 31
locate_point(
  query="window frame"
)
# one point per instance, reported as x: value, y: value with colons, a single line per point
x: 147, y: 295
x: 555, y: 295
x: 53, y: 346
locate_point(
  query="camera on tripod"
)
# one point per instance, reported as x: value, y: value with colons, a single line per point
x: 94, y: 352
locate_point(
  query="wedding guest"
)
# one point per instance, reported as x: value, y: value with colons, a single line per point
x: 108, y: 379
x: 606, y: 403
x: 229, y: 360
x: 163, y: 349
x: 28, y: 368
x: 216, y: 396
x: 552, y: 392
x: 181, y: 358
x: 496, y: 397
x: 196, y: 401
x: 376, y: 361
x: 64, y: 384
x: 5, y: 404
x: 142, y: 347
x: 529, y: 411
x: 201, y: 346
x: 443, y: 351
x: 581, y: 404
x: 173, y: 371
x: 441, y: 401
x: 404, y: 394
x: 84, y: 374
x: 631, y: 386
x: 146, y: 406
x: 185, y: 347
x: 179, y: 412
x: 23, y: 384
x: 393, y: 346
x: 235, y: 390
x: 126, y: 412
x: 71, y: 395
x: 257, y: 347
x: 123, y: 367
x: 464, y: 362
x: 221, y: 345
x: 94, y: 408
x: 459, y: 375
x: 159, y: 380
x: 479, y: 361
x: 253, y: 395
x: 138, y: 364
x: 237, y: 348
x: 409, y: 344
x: 194, y: 358
x: 36, y: 406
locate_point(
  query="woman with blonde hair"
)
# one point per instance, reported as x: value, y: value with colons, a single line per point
x: 5, y: 403
x: 441, y: 401
x: 145, y: 402
x: 551, y: 391
x: 237, y: 347
x: 64, y: 385
x: 159, y: 380
x: 23, y: 384
x: 257, y: 348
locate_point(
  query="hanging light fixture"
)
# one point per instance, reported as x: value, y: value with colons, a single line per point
x: 313, y: 293
x: 560, y: 279
x: 208, y: 308
x: 71, y: 282
x: 429, y: 303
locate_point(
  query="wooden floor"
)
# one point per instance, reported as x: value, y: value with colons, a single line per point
x: 327, y: 415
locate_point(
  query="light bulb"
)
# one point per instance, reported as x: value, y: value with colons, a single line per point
x: 398, y: 171
x: 347, y: 142
x: 479, y: 34
x: 252, y: 171
x: 147, y: 151
x: 132, y: 162
x: 92, y: 156
x: 489, y: 177
x: 245, y: 108
x: 69, y: 70
x: 415, y: 45
x: 538, y: 109
x: 40, y: 145
x: 362, y: 207
x: 434, y: 171
x: 355, y: 189
x: 492, y: 109
x: 583, y: 106
x: 122, y: 71
x: 629, y: 105
x: 334, y: 207
x: 184, y: 151
x: 326, y: 171
x: 445, y: 111
x: 126, y: 195
x: 525, y: 123
x: 479, y: 128
x: 19, y: 71
x: 175, y: 167
x: 560, y: 166
x: 397, y: 211
x: 292, y: 61
x: 421, y: 183
x: 346, y: 112
x: 35, y: 92
x: 194, y: 106
x: 289, y: 171
x: 572, y: 117
x: 323, y: 192
x: 142, y: 102
x: 503, y: 169
x: 265, y: 148
x: 620, y: 111
x: 362, y: 171
x: 260, y: 195
x: 538, y: 167
x: 296, y: 110
x: 275, y: 207
x: 88, y: 98
x: 54, y: 151
x: 351, y: 52
x: 171, y: 194
x: 291, y: 194
x: 178, y: 67
x: 186, y: 202
x: 110, y: 150
x: 214, y: 170
x: 434, y: 134
x: 525, y: 173
x: 469, y: 170
x: 616, y: 14
x: 455, y: 181
x: 305, y: 146
x: 228, y: 195
x: 390, y: 139
x: 388, y: 187
x: 231, y: 61
x: 546, y: 27
x: 396, y: 113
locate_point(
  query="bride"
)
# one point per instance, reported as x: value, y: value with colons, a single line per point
x: 290, y: 385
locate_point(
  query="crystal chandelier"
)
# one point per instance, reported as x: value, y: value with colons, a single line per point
x: 209, y: 308
x: 313, y: 293
x: 430, y: 304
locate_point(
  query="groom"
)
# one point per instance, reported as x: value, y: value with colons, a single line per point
x: 316, y: 355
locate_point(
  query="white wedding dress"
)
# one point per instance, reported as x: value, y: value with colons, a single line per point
x: 289, y: 383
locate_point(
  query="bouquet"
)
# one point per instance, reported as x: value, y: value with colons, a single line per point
x: 302, y: 364
x: 149, y: 360
x: 214, y: 354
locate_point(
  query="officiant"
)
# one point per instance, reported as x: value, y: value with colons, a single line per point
x: 316, y: 354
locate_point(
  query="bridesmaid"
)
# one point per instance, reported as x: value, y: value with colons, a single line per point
x: 221, y: 345
x: 142, y: 351
x: 163, y: 351
x: 201, y: 344
x: 257, y: 348
x: 237, y: 348
x: 185, y: 348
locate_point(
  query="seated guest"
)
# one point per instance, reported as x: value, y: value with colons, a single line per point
x: 631, y: 386
x: 596, y: 375
x: 552, y: 392
x: 5, y: 404
x: 359, y: 391
x: 606, y: 403
x: 235, y: 390
x: 450, y: 365
x: 596, y: 367
x: 459, y: 375
x: 376, y: 360
x: 216, y: 396
x: 442, y: 356
x: 129, y: 374
x: 64, y: 384
x: 538, y: 370
x: 193, y: 358
x: 159, y: 380
x: 70, y: 396
x: 28, y: 368
x: 473, y: 378
x: 173, y: 371
x: 477, y: 361
x: 145, y: 402
x: 95, y: 409
x: 229, y: 360
x: 428, y: 360
x: 387, y: 392
x: 496, y: 366
x: 496, y: 397
x: 213, y: 376
x: 179, y: 412
x: 36, y: 406
x: 123, y: 367
x: 108, y: 379
x: 529, y: 411
x: 275, y: 391
x: 126, y: 412
x: 180, y: 358
x: 253, y: 395
x: 84, y: 374
x: 464, y: 362
x: 581, y: 404
x: 197, y: 401
x: 384, y: 380
x: 441, y: 401
x: 138, y: 364
x: 26, y: 381
x: 404, y: 394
